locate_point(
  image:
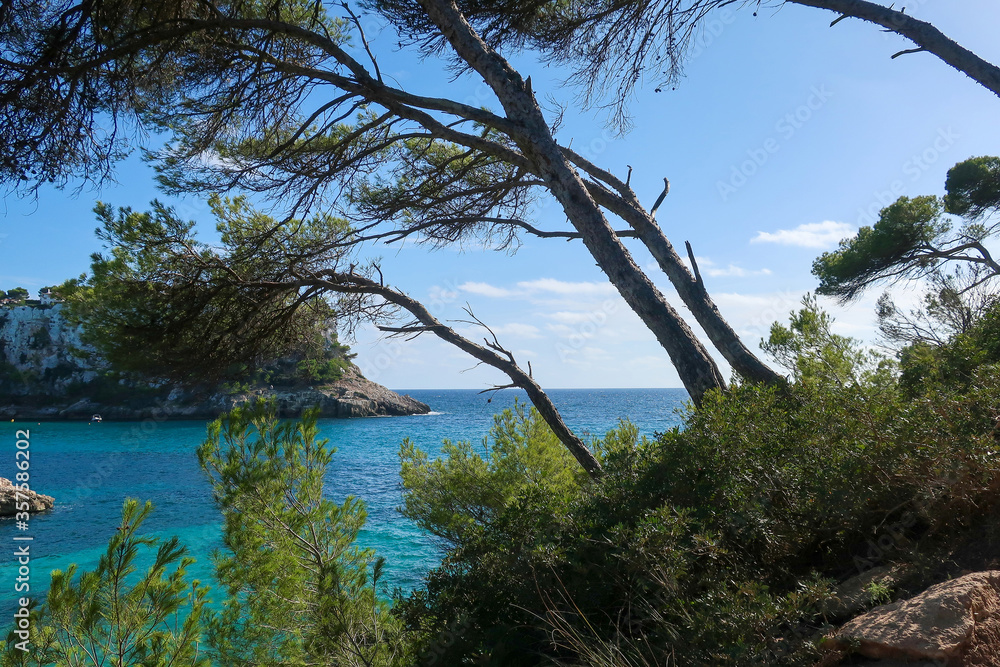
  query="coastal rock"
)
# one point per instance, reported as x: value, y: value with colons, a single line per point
x: 47, y: 373
x: 8, y: 499
x: 955, y: 623
x: 351, y: 396
x: 40, y: 346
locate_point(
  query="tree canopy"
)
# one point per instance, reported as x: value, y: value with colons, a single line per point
x: 269, y: 100
x: 914, y: 237
x: 163, y: 303
x: 286, y: 101
x: 18, y: 294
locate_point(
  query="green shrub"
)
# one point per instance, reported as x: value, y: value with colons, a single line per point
x: 117, y: 615
x: 40, y: 338
x: 927, y: 367
x: 713, y: 544
x: 321, y: 371
x: 297, y: 591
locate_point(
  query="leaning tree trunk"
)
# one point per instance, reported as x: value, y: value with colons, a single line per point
x: 691, y: 289
x: 694, y: 365
x: 493, y: 354
x: 688, y: 283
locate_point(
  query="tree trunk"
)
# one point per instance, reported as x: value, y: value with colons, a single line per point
x: 689, y: 286
x: 694, y: 365
x: 691, y: 289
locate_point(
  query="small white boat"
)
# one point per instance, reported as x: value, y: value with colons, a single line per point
x: 96, y: 418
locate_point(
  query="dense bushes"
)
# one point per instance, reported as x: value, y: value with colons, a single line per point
x: 716, y: 543
x: 926, y: 366
x: 707, y: 544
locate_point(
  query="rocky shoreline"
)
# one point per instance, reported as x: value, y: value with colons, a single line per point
x: 37, y: 502
x: 352, y: 396
x: 48, y: 373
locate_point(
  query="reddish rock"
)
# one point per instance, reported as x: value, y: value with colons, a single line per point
x: 955, y: 624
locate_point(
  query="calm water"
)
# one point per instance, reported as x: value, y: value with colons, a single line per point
x: 91, y: 469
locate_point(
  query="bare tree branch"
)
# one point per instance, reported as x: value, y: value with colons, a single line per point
x: 493, y: 355
x: 925, y: 35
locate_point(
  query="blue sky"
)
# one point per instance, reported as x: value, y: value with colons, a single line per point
x: 785, y: 136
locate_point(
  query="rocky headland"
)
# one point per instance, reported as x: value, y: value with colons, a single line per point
x: 37, y: 502
x: 48, y: 373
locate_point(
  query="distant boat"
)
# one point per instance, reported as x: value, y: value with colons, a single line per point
x: 96, y: 418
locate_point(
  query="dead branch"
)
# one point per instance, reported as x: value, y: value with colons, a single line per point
x: 425, y: 322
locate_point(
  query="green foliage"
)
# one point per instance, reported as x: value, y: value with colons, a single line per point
x: 913, y: 238
x: 878, y: 593
x: 451, y: 495
x: 41, y: 338
x: 18, y: 295
x: 117, y: 615
x: 497, y: 510
x: 299, y: 590
x: 903, y: 228
x: 951, y: 305
x: 973, y: 187
x: 715, y: 543
x: 952, y: 364
x: 74, y: 293
x: 114, y: 388
x: 431, y: 171
x: 321, y: 371
x: 161, y: 303
x: 814, y: 355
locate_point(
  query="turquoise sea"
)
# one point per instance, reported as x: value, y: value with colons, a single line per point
x: 91, y: 468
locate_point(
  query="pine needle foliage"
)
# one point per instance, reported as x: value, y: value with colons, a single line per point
x: 117, y: 616
x: 300, y: 592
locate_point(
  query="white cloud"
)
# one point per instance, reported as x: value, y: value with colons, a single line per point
x: 560, y: 329
x: 485, y: 289
x: 566, y: 288
x: 570, y: 317
x: 737, y: 272
x: 810, y: 235
x: 541, y: 285
x: 510, y: 330
x: 707, y: 266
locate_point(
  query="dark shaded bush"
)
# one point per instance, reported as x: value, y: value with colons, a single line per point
x: 926, y: 366
x: 713, y: 544
x: 41, y: 338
